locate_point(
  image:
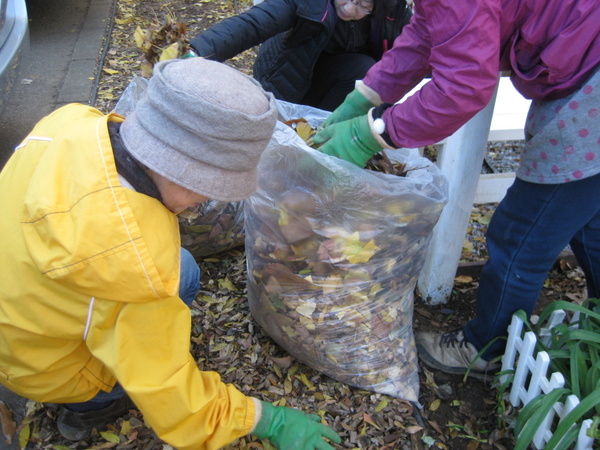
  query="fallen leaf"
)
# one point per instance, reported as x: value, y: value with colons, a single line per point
x: 173, y: 51
x: 382, y: 405
x: 473, y: 445
x: 463, y: 279
x: 435, y: 404
x: 24, y: 435
x: 368, y: 419
x: 110, y: 437
x: 8, y: 424
x: 226, y: 284
x: 355, y: 251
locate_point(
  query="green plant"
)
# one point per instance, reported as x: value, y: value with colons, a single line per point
x: 574, y: 350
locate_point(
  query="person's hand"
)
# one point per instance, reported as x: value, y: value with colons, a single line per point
x: 351, y: 140
x: 290, y: 429
x: 356, y: 103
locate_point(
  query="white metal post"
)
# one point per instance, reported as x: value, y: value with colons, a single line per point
x: 460, y: 161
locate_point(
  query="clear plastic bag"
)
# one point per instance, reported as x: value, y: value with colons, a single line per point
x: 211, y: 227
x: 333, y: 254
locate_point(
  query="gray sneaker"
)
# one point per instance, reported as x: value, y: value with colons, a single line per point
x: 452, y: 353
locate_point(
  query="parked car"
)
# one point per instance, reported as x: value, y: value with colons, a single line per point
x: 14, y: 43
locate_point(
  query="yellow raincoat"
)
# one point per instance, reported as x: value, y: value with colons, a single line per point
x: 89, y: 278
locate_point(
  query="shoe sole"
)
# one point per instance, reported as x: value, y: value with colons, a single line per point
x: 432, y: 363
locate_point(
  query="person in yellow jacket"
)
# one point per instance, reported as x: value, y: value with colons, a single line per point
x: 90, y: 311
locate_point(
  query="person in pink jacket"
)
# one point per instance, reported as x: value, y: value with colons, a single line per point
x: 552, y: 50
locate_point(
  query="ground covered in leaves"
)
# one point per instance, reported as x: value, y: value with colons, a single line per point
x: 451, y: 413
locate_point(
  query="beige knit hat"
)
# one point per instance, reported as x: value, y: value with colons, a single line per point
x: 203, y: 125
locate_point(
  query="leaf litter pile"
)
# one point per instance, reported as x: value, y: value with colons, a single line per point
x: 454, y: 414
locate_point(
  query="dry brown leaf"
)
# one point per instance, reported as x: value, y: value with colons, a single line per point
x: 8, y: 424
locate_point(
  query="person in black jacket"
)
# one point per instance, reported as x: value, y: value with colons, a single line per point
x: 312, y: 51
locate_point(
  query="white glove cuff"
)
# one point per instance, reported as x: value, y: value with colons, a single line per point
x: 377, y: 129
x: 257, y: 413
x: 368, y: 93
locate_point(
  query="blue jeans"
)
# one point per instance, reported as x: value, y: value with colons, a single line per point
x: 528, y: 230
x: 189, y: 285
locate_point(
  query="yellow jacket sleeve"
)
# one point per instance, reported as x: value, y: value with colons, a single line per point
x: 147, y: 347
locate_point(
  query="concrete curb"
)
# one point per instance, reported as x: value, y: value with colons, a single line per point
x: 79, y: 83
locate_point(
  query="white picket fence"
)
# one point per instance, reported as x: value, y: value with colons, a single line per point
x: 530, y: 379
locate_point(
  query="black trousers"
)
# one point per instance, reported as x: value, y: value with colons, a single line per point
x: 334, y: 78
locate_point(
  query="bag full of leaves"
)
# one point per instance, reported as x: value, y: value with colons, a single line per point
x: 333, y: 253
x: 211, y: 227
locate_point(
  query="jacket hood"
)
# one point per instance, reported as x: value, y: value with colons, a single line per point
x: 82, y: 228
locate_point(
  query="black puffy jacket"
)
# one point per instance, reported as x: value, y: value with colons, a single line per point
x: 293, y: 34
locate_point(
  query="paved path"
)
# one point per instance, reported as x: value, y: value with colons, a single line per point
x: 67, y: 39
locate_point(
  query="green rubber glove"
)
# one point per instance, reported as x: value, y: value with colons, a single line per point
x: 355, y: 104
x: 351, y: 140
x: 290, y: 429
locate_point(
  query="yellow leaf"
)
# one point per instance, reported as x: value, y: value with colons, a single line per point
x: 306, y: 309
x: 125, y: 427
x: 374, y: 289
x: 467, y: 246
x: 110, y: 437
x: 227, y: 284
x: 173, y: 51
x: 463, y: 279
x: 304, y: 130
x: 331, y: 284
x: 307, y: 382
x: 110, y: 71
x: 455, y: 403
x: 307, y: 323
x: 389, y: 315
x: 435, y: 404
x: 287, y: 387
x: 140, y: 37
x: 382, y: 405
x: 24, y: 435
x: 485, y: 219
x: 283, y: 217
x: 124, y: 21
x: 355, y: 252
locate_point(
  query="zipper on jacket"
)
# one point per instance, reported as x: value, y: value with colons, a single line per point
x: 350, y: 45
